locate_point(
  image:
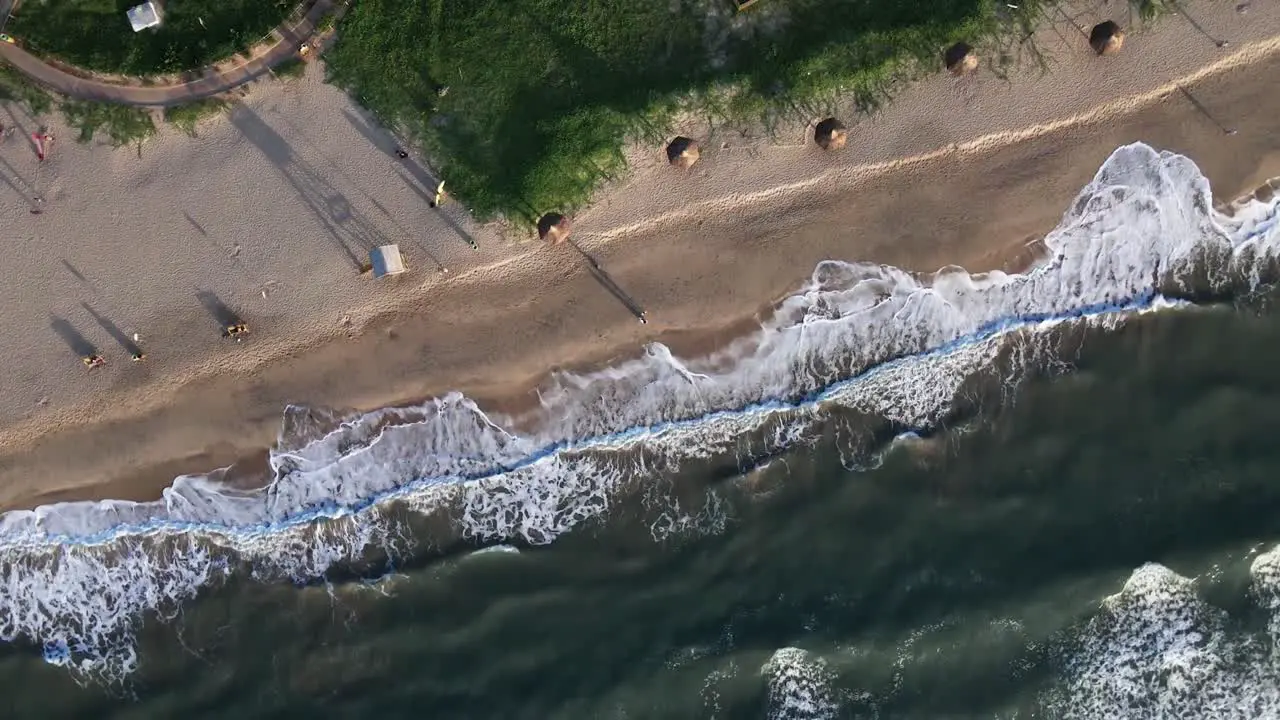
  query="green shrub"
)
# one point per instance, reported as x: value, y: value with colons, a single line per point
x: 292, y: 68
x: 123, y: 124
x: 187, y: 117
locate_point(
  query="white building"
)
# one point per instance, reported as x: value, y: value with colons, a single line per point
x: 144, y: 16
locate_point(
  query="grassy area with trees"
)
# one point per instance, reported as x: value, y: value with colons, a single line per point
x: 15, y: 87
x: 526, y: 104
x: 95, y: 34
x: 124, y: 125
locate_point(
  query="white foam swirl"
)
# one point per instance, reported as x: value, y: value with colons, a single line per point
x: 79, y: 577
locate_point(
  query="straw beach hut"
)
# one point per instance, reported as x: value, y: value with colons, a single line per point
x: 683, y: 152
x: 1106, y: 38
x: 554, y: 228
x: 960, y: 59
x: 830, y: 134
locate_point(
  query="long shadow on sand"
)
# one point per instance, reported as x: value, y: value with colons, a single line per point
x: 351, y: 231
x: 225, y: 316
x: 404, y: 232
x: 78, y: 343
x: 607, y: 282
x: 419, y: 178
x: 121, y: 338
x: 385, y: 142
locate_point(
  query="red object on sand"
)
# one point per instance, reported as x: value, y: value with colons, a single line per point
x: 41, y: 141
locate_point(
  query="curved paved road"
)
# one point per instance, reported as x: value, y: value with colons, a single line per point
x: 211, y: 83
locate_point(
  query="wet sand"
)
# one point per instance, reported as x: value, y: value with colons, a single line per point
x: 269, y: 211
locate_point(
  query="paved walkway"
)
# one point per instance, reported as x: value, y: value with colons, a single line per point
x: 212, y: 82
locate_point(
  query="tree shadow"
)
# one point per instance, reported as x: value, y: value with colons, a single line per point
x: 351, y: 231
x: 225, y: 316
x: 78, y: 343
x: 115, y: 332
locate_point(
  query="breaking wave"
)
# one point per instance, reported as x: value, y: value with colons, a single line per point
x: 1157, y: 649
x: 799, y: 686
x: 874, y: 341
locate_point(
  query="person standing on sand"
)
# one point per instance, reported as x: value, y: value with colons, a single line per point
x: 42, y: 143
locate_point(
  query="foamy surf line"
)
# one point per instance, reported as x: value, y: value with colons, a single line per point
x: 614, y: 441
x: 78, y: 578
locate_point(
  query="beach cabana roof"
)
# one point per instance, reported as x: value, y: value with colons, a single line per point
x: 386, y: 260
x: 1106, y: 38
x: 554, y: 228
x: 960, y: 59
x: 830, y: 134
x: 683, y: 152
x: 143, y: 16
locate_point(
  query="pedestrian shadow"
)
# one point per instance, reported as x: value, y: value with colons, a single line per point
x: 199, y: 228
x: 404, y: 232
x: 115, y: 332
x: 78, y: 343
x: 608, y: 283
x: 350, y: 230
x: 75, y: 272
x: 23, y: 126
x: 457, y: 229
x: 225, y: 316
x: 26, y: 191
x: 383, y: 141
x: 414, y: 174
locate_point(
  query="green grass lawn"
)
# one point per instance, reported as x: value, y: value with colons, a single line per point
x: 95, y: 34
x: 542, y: 94
x: 189, y: 116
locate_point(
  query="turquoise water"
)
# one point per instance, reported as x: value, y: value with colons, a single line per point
x: 1085, y: 527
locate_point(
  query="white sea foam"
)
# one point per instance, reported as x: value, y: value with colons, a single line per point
x: 79, y: 577
x: 800, y: 686
x: 1156, y: 649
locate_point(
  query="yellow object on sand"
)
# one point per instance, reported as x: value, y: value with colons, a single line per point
x: 440, y: 196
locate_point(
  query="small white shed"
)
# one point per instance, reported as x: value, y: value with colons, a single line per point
x: 386, y: 260
x: 144, y: 16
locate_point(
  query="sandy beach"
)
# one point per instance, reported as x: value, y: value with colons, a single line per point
x: 270, y: 211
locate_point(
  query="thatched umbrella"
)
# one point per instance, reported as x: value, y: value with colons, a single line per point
x: 830, y: 134
x: 1106, y: 38
x: 554, y: 228
x: 1265, y: 192
x: 960, y: 59
x: 683, y: 152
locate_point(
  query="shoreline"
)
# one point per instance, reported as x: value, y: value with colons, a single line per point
x: 554, y: 313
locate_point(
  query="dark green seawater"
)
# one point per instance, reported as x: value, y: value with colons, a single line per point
x: 964, y: 577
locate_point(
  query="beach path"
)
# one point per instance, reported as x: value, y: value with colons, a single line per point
x: 212, y: 81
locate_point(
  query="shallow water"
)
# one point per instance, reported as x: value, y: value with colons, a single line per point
x: 1076, y: 519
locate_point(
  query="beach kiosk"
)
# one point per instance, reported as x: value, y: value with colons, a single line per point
x: 143, y: 16
x: 386, y: 260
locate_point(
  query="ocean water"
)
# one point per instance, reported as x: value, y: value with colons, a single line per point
x: 1046, y: 495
